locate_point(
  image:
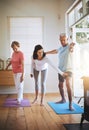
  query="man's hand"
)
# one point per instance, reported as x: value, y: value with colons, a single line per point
x: 71, y: 47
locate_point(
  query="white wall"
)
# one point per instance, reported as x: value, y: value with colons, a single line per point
x: 53, y: 12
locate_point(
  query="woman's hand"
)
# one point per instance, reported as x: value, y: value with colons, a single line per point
x: 8, y: 65
x: 6, y: 68
x: 65, y: 75
x: 21, y: 78
x: 31, y: 75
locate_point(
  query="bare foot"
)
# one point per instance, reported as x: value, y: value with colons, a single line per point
x: 41, y: 104
x: 71, y: 108
x: 35, y: 101
x: 18, y: 102
x: 61, y: 101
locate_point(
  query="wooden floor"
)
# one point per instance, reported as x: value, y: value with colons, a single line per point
x: 35, y: 117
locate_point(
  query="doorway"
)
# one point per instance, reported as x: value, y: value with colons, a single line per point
x: 80, y: 36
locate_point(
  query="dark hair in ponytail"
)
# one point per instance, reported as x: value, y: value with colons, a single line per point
x: 36, y: 49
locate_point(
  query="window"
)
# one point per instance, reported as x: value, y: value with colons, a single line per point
x: 77, y: 27
x: 87, y: 6
x: 27, y: 31
x: 71, y: 18
x: 79, y: 11
x: 75, y: 14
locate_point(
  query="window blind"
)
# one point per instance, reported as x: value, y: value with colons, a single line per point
x: 28, y: 32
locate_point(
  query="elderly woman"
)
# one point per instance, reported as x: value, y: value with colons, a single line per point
x: 17, y: 62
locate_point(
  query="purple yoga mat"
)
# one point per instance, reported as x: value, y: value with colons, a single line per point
x: 10, y: 102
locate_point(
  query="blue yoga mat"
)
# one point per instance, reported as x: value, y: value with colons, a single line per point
x: 63, y: 108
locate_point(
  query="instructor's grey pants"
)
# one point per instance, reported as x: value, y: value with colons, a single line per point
x: 43, y: 80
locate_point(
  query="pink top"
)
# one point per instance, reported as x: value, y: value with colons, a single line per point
x: 16, y: 59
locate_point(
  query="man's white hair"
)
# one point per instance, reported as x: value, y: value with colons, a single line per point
x: 63, y: 35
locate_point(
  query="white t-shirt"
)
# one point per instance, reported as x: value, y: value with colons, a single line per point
x: 40, y: 65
